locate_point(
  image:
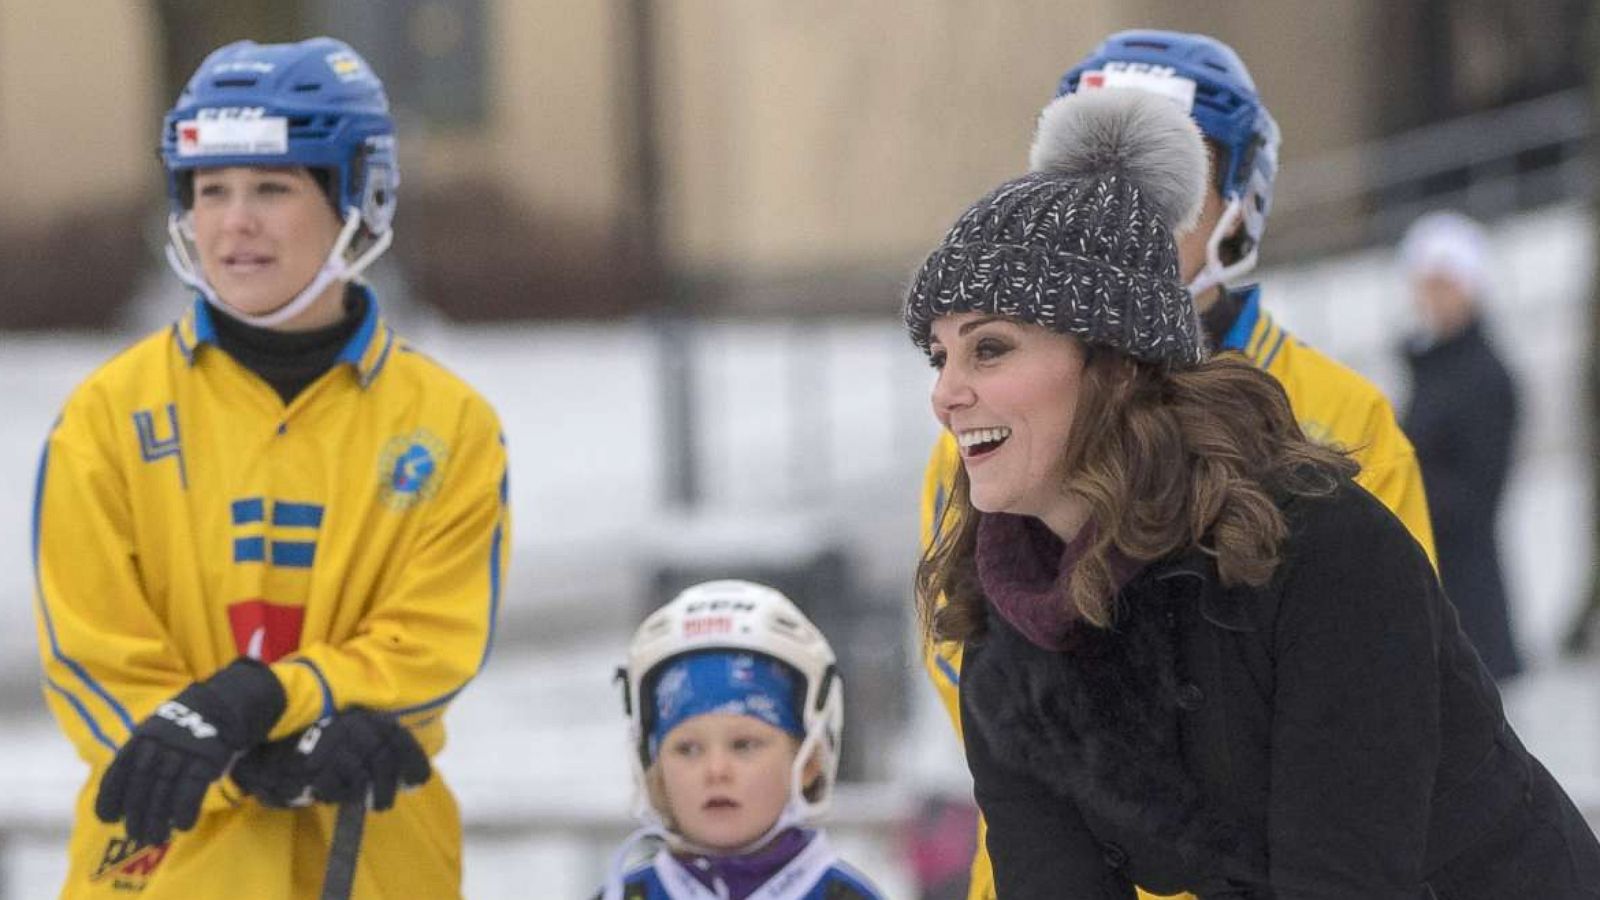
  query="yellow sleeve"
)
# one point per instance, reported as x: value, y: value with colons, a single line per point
x: 108, y: 659
x: 943, y: 661
x: 418, y: 645
x: 1389, y: 470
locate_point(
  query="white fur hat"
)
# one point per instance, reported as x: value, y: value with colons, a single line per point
x: 1450, y: 244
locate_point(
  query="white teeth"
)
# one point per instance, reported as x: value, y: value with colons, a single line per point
x: 982, y: 436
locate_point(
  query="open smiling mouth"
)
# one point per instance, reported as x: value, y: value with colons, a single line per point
x: 980, y: 442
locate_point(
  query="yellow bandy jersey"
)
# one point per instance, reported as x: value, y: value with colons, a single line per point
x: 1333, y: 405
x: 355, y: 540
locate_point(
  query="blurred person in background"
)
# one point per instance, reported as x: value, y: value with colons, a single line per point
x: 736, y: 714
x: 1462, y: 418
x: 269, y: 540
x: 1198, y: 656
x: 1333, y: 405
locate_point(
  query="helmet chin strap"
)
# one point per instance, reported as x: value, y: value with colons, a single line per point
x: 180, y: 234
x: 1215, y: 273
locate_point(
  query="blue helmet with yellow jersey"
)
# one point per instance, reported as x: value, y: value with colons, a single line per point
x: 1209, y: 80
x: 315, y: 103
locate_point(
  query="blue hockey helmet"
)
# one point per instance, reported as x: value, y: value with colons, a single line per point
x: 315, y: 103
x: 1209, y: 79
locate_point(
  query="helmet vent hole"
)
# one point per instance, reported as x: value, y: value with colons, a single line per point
x: 234, y: 82
x: 307, y: 87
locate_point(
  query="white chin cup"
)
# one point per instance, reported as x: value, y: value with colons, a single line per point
x: 1214, y: 273
x: 180, y: 235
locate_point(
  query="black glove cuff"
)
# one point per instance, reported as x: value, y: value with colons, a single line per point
x: 254, y: 694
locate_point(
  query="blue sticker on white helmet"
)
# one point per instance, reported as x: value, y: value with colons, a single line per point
x: 721, y: 681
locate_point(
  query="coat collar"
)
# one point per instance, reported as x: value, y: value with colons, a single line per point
x: 1194, y: 572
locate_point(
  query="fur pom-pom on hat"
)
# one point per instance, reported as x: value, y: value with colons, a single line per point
x: 1083, y: 245
x: 1133, y: 135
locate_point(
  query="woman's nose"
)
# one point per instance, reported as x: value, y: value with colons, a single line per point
x: 951, y: 391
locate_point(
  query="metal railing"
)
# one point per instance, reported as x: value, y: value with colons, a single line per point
x: 1487, y: 164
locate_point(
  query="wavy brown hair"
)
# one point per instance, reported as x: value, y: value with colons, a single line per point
x: 1164, y: 459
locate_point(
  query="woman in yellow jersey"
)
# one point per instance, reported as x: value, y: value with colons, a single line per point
x: 1197, y: 657
x: 1333, y: 405
x: 269, y: 540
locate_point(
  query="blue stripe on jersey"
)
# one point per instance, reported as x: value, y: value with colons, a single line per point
x: 250, y: 549
x: 328, y: 708
x: 250, y: 509
x: 356, y: 347
x: 297, y: 514
x: 183, y: 345
x: 44, y: 609
x: 94, y: 727
x: 294, y: 554
x: 383, y: 357
x: 948, y: 669
x: 1272, y: 354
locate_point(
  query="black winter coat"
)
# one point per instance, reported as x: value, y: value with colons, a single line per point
x: 1462, y: 420
x: 1331, y: 736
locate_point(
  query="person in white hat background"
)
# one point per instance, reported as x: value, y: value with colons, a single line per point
x: 1462, y: 419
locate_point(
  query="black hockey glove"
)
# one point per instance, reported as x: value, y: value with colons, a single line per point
x: 159, y: 777
x: 357, y: 755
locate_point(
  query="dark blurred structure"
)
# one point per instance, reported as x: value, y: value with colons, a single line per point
x: 73, y: 271
x: 1450, y: 58
x: 1479, y: 105
x: 1581, y: 635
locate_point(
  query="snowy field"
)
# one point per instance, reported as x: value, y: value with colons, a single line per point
x: 810, y: 434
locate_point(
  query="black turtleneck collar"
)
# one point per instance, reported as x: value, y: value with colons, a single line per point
x: 1218, y: 320
x: 291, y: 360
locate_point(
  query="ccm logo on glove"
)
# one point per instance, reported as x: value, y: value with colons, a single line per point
x: 186, y: 718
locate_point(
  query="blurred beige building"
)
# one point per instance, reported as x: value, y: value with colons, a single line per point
x: 806, y: 153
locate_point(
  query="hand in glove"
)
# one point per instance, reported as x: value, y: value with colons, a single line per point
x: 357, y: 755
x: 159, y: 777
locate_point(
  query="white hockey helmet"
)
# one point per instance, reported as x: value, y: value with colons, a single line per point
x: 748, y: 617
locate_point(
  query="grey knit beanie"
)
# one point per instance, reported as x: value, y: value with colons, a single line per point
x: 1084, y: 244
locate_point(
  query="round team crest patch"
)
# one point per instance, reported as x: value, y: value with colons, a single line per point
x: 408, y: 469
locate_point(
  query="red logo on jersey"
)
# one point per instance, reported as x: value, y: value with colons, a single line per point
x: 129, y: 863
x: 265, y: 631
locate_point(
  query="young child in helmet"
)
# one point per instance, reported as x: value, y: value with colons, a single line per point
x: 736, y: 708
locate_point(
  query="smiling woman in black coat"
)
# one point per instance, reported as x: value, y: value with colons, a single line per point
x: 1197, y: 656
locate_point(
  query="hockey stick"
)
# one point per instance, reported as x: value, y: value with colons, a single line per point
x: 340, y: 877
